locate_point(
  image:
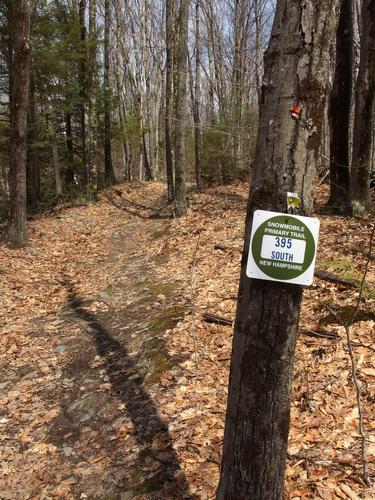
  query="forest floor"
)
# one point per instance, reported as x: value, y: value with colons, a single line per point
x: 112, y: 385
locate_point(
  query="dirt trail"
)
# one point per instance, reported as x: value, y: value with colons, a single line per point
x: 108, y: 438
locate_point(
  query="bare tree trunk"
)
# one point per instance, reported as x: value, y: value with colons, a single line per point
x: 108, y: 167
x: 54, y: 147
x: 56, y: 163
x: 258, y: 411
x: 10, y: 18
x: 120, y: 144
x: 180, y: 206
x: 216, y: 62
x: 237, y: 77
x: 68, y: 172
x: 20, y: 78
x: 258, y: 71
x: 339, y: 114
x: 145, y: 112
x: 372, y: 165
x: 82, y: 88
x: 146, y: 162
x: 364, y: 104
x: 33, y: 171
x: 197, y: 128
x: 91, y: 98
x: 169, y: 92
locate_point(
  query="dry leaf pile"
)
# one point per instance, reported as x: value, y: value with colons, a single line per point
x: 114, y: 386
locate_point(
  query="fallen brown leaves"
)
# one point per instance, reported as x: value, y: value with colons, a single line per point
x: 192, y: 264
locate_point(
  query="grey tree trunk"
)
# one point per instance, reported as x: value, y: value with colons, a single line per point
x: 92, y: 87
x: 33, y: 170
x: 339, y: 114
x: 56, y: 163
x: 20, y: 78
x: 145, y: 103
x: 197, y: 127
x: 108, y: 167
x: 55, y: 151
x: 68, y: 173
x: 238, y: 73
x: 364, y: 116
x: 82, y: 88
x: 180, y: 206
x: 258, y: 411
x: 169, y: 92
x: 258, y: 69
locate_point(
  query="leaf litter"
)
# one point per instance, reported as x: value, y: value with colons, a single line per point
x: 114, y: 386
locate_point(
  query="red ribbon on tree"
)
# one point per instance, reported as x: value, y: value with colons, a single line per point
x: 295, y: 112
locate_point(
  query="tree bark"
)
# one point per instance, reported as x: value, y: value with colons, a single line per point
x: 238, y: 71
x: 146, y: 163
x: 91, y: 101
x: 82, y: 87
x: 258, y: 69
x: 180, y: 206
x: 55, y: 155
x: 197, y: 128
x: 68, y: 172
x: 33, y: 170
x: 121, y: 144
x: 258, y: 413
x: 169, y: 92
x: 145, y: 103
x: 20, y: 77
x: 56, y: 163
x: 364, y: 116
x: 339, y: 114
x: 108, y: 167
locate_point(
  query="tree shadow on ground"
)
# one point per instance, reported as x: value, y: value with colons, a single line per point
x: 231, y: 197
x: 148, y: 429
x: 139, y: 210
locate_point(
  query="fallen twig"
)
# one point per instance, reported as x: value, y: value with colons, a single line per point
x: 322, y: 462
x: 333, y: 278
x: 218, y: 246
x: 192, y: 276
x: 326, y: 335
x: 218, y: 320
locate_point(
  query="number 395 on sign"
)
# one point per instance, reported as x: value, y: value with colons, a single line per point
x: 274, y: 247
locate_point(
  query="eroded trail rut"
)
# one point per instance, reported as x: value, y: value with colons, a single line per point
x: 118, y: 353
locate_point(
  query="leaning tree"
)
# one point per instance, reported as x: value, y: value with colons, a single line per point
x: 258, y: 411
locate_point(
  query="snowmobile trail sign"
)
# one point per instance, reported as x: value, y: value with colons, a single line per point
x: 282, y: 247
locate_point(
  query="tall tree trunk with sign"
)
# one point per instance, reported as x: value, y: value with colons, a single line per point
x: 258, y: 411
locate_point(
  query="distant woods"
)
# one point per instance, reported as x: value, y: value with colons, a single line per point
x: 94, y: 92
x: 351, y: 109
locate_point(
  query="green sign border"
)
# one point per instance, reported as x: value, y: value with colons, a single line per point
x: 280, y: 273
